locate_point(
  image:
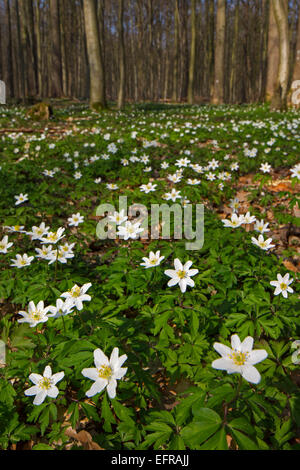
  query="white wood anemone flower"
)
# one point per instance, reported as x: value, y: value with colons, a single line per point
x: 35, y: 315
x: 44, y: 385
x: 5, y: 245
x: 181, y: 275
x: 235, y: 221
x: 262, y: 243
x: 106, y: 373
x: 60, y: 310
x: 77, y: 295
x: 21, y: 198
x: 154, y: 260
x: 240, y: 358
x: 22, y: 261
x: 75, y: 220
x: 129, y: 230
x: 282, y: 285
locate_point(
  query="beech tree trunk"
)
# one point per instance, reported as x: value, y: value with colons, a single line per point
x: 296, y: 72
x: 279, y: 100
x: 121, y: 94
x: 192, y: 55
x: 97, y: 86
x: 273, y: 54
x: 218, y: 91
x: 56, y: 59
x: 176, y: 52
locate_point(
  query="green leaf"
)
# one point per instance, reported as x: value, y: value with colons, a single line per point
x: 244, y: 442
x: 195, y: 433
x: 243, y: 425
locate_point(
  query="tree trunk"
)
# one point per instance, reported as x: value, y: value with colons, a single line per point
x: 296, y: 72
x: 176, y: 53
x: 218, y: 92
x: 97, y: 87
x: 192, y: 54
x: 121, y: 94
x: 38, y: 46
x: 273, y: 54
x: 281, y: 15
x: 56, y: 68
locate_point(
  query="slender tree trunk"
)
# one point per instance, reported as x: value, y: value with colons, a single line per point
x: 56, y: 62
x: 192, y: 55
x: 273, y: 54
x: 9, y: 53
x: 233, y: 70
x: 296, y: 71
x: 121, y: 94
x: 38, y: 46
x: 218, y: 93
x: 176, y: 53
x: 97, y: 87
x: 281, y: 15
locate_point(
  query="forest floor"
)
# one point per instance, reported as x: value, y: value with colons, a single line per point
x: 242, y: 164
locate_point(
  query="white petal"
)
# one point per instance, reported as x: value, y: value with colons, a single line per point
x: 97, y: 387
x: 173, y: 282
x: 247, y: 344
x: 57, y: 377
x: 170, y: 272
x: 178, y: 265
x: 222, y: 349
x: 35, y: 378
x: 40, y: 397
x: 120, y: 373
x: 256, y: 356
x: 251, y: 374
x: 222, y: 364
x: 91, y: 373
x: 235, y: 342
x: 114, y: 357
x: 32, y: 391
x: 53, y: 392
x: 100, y: 358
x: 47, y: 372
x: 182, y: 285
x: 111, y: 388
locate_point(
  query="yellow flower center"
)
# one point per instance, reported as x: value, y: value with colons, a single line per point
x: 2, y: 246
x: 283, y: 286
x: 52, y: 237
x: 153, y: 261
x: 17, y: 228
x: 36, y: 315
x: 45, y: 383
x: 104, y: 372
x: 238, y: 357
x: 75, y: 291
x: 181, y: 274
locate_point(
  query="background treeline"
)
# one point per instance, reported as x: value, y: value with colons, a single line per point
x: 233, y: 51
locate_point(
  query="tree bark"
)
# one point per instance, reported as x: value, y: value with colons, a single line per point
x: 97, y: 87
x: 218, y: 92
x: 281, y: 15
x: 176, y: 52
x: 56, y: 63
x: 192, y: 54
x: 273, y: 54
x: 296, y: 71
x: 121, y: 94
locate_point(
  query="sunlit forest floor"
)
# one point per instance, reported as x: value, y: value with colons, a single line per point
x: 242, y: 164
